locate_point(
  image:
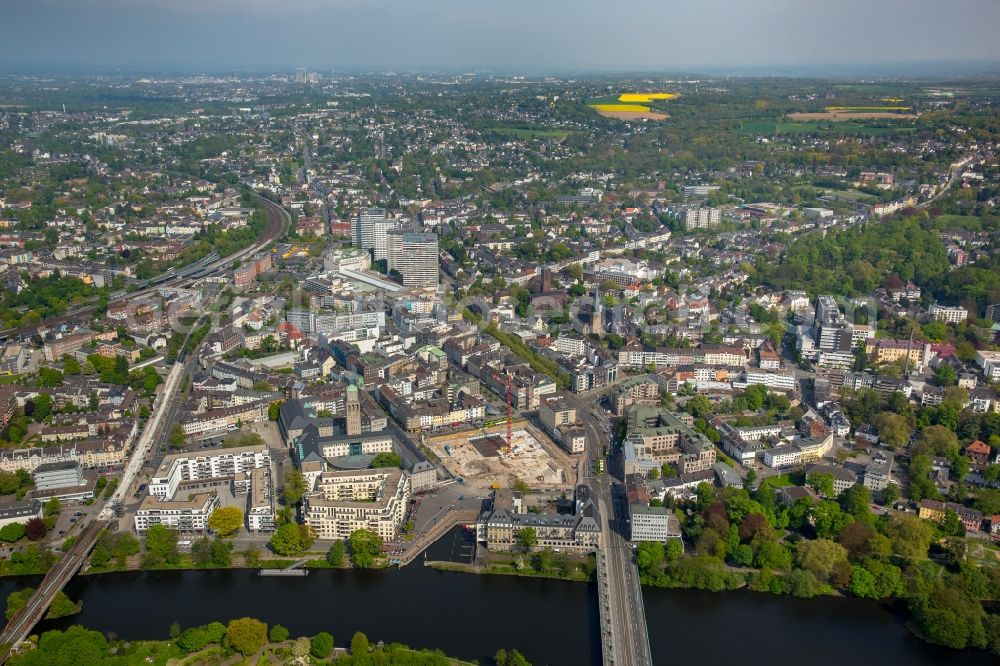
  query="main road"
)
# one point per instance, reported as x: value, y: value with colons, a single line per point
x: 624, y: 635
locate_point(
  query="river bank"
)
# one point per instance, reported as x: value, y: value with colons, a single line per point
x: 470, y: 617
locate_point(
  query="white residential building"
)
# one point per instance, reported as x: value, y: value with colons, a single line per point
x: 953, y: 314
x: 213, y: 464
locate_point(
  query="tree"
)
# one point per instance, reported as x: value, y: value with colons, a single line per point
x: 62, y: 606
x: 278, y: 634
x: 35, y: 529
x: 857, y: 501
x: 41, y: 407
x: 855, y: 539
x: 360, y: 645
x: 335, y: 556
x: 910, y: 536
x: 755, y: 395
x: 950, y: 617
x: 161, y: 545
x: 246, y: 635
x: 945, y: 375
x: 890, y: 494
x: 938, y: 440
x: 226, y: 521
x: 71, y: 366
x: 52, y: 507
x: 387, y: 459
x: 819, y: 556
x: 527, y: 538
x: 863, y: 583
x: 11, y: 532
x: 365, y: 546
x: 803, y: 584
x: 321, y: 645
x: 893, y: 429
x: 649, y: 556
x: 17, y: 600
x: 295, y: 486
x: 177, y: 436
x: 821, y: 482
x: 291, y: 539
x: 698, y: 406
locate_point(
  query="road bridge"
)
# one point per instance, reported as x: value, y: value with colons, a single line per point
x: 624, y: 634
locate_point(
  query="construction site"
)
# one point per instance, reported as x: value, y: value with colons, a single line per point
x: 485, y: 459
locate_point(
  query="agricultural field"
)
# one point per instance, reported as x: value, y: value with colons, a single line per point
x: 645, y: 97
x: 828, y: 127
x: 631, y: 106
x: 862, y: 112
x: 836, y: 116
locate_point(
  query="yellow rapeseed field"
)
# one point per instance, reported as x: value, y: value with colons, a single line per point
x: 645, y: 97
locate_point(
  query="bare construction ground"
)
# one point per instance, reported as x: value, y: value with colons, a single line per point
x: 634, y: 115
x: 482, y: 460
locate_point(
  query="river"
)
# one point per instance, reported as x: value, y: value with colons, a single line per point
x: 552, y: 622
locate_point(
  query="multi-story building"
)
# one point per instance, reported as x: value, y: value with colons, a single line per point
x: 953, y: 314
x: 371, y: 230
x: 989, y: 362
x: 648, y: 523
x: 782, y: 456
x: 67, y: 344
x: 20, y: 512
x: 843, y: 478
x: 638, y: 391
x: 558, y: 417
x: 878, y: 471
x: 248, y: 271
x: 936, y: 511
x: 501, y: 524
x: 260, y: 499
x: 225, y: 418
x: 701, y: 218
x: 202, y: 465
x: 663, y: 438
x: 372, y: 499
x: 414, y: 256
x: 885, y: 350
x: 189, y: 515
x: 49, y: 476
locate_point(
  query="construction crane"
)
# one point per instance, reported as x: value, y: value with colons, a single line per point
x: 509, y: 436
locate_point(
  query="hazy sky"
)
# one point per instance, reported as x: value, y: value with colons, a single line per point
x: 538, y: 35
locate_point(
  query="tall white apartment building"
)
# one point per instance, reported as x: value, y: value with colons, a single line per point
x: 414, y: 256
x: 213, y: 464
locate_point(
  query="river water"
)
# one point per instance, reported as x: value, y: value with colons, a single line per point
x: 469, y: 616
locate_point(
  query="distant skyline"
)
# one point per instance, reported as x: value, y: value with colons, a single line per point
x: 766, y: 36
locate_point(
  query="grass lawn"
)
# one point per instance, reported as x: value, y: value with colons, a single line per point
x: 158, y: 653
x: 531, y: 133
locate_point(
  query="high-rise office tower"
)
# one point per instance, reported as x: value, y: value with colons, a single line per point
x: 371, y: 226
